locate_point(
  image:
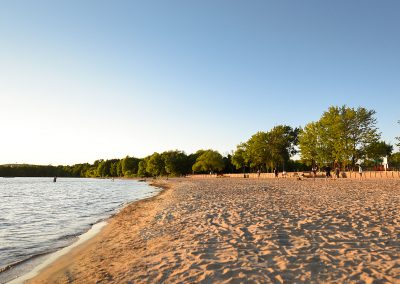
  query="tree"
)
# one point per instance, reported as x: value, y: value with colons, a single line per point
x: 363, y: 131
x: 228, y: 166
x: 209, y: 161
x: 155, y: 165
x: 101, y: 169
x: 394, y: 160
x: 308, y: 143
x: 129, y: 165
x: 142, y: 168
x: 267, y: 149
x: 112, y: 165
x: 78, y: 170
x: 377, y: 150
x: 192, y: 158
x: 282, y: 140
x: 175, y: 162
x: 341, y: 135
x: 257, y: 151
x: 118, y: 168
x: 331, y: 140
x: 239, y: 159
x: 398, y: 138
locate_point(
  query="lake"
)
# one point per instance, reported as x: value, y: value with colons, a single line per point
x: 39, y: 216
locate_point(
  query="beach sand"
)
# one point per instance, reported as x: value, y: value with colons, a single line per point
x: 226, y: 230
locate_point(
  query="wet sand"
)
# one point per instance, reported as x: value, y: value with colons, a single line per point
x: 238, y: 230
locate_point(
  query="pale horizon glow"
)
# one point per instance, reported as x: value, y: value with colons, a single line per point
x: 81, y: 81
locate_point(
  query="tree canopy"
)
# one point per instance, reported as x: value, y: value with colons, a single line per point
x: 209, y: 160
x: 239, y: 158
x: 267, y: 149
x: 176, y: 163
x: 376, y: 150
x: 341, y: 135
x: 155, y: 165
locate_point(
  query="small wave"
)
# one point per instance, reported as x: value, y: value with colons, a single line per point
x: 26, y: 259
x: 68, y: 237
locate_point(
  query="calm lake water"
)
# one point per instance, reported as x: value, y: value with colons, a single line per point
x: 38, y: 216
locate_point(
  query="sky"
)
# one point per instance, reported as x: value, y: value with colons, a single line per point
x: 85, y: 80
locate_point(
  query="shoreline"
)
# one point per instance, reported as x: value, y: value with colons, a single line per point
x: 223, y: 230
x: 52, y: 257
x: 40, y: 262
x: 63, y: 260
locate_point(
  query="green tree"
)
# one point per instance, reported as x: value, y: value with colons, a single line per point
x: 112, y: 167
x: 91, y: 172
x: 155, y: 165
x: 108, y: 168
x: 377, y: 150
x: 282, y: 140
x: 129, y: 166
x: 394, y: 160
x: 267, y: 149
x: 331, y: 146
x: 210, y: 160
x: 228, y: 166
x: 101, y: 169
x: 78, y: 170
x: 175, y: 162
x: 257, y: 151
x: 142, y: 168
x: 363, y: 131
x: 309, y: 139
x: 239, y: 158
x: 342, y: 134
x: 192, y: 158
x: 118, y: 168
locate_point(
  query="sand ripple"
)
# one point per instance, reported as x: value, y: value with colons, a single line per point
x: 235, y: 230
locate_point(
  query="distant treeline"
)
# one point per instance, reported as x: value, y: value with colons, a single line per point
x: 342, y: 137
x: 169, y: 163
x: 34, y: 171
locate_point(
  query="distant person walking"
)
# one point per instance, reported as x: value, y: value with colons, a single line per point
x: 55, y: 179
x: 314, y: 171
x: 337, y: 172
x: 276, y: 172
x: 328, y: 172
x: 360, y: 171
x: 258, y: 173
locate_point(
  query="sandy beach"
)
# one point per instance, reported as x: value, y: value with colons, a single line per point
x: 225, y: 230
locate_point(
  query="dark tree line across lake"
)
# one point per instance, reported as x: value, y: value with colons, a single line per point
x: 340, y: 138
x: 155, y: 165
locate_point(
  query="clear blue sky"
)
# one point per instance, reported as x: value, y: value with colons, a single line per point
x: 82, y: 80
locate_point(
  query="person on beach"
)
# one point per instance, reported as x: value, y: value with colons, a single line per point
x: 258, y: 173
x: 55, y: 179
x: 328, y: 172
x: 276, y: 172
x: 314, y: 171
x: 360, y: 172
x: 337, y: 172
